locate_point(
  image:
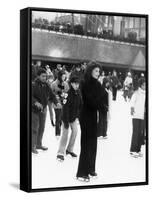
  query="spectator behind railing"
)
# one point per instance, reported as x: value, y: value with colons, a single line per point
x: 78, y: 30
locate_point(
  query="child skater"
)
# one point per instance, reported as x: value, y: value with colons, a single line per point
x: 138, y: 113
x: 71, y: 109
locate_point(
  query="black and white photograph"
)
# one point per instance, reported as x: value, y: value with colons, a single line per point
x: 88, y: 80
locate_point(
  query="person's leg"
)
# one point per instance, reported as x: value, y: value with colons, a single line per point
x: 58, y: 121
x: 42, y: 119
x: 135, y: 136
x: 72, y: 139
x: 129, y: 93
x: 99, y: 124
x: 125, y: 95
x: 140, y: 135
x: 105, y: 125
x: 63, y: 141
x: 35, y: 127
x: 92, y: 151
x: 50, y: 111
x: 82, y: 170
x: 114, y: 91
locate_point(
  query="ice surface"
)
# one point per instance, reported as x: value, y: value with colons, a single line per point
x: 113, y: 163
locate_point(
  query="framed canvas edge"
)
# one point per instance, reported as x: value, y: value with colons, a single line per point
x: 28, y: 52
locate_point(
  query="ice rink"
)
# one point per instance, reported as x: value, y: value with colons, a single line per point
x: 113, y: 163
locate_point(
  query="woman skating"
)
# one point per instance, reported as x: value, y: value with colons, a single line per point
x: 92, y: 101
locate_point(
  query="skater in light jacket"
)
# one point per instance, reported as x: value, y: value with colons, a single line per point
x: 138, y: 113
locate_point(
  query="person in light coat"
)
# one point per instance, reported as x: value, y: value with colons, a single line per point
x: 59, y: 87
x: 138, y: 113
x: 128, y: 86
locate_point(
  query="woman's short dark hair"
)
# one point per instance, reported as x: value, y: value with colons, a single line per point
x: 90, y: 67
x: 41, y: 71
x: 74, y: 79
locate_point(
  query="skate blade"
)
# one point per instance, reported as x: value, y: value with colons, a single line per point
x: 69, y: 156
x: 83, y: 179
x: 135, y: 156
x: 60, y: 160
x: 93, y: 177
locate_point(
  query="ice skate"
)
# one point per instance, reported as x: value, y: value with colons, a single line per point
x: 60, y: 158
x: 134, y: 154
x: 140, y: 154
x: 93, y: 175
x: 83, y: 178
x: 72, y: 154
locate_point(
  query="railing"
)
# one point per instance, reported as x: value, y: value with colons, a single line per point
x: 78, y: 30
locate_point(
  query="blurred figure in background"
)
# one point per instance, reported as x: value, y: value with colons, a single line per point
x: 114, y: 84
x: 50, y: 76
x: 83, y: 67
x: 59, y: 87
x: 128, y: 86
x: 135, y: 82
x: 35, y: 68
x: 102, y: 121
x: 101, y: 77
x: 56, y: 71
x: 77, y: 71
x: 138, y: 114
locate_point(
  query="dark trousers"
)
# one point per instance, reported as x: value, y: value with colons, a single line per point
x: 114, y: 92
x: 58, y: 121
x: 137, y: 135
x: 102, y: 125
x: 88, y: 152
x: 125, y: 94
x: 50, y: 110
x: 128, y: 93
x: 38, y: 125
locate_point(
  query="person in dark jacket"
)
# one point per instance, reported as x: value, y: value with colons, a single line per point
x: 41, y: 94
x: 77, y: 71
x: 35, y: 69
x: 57, y: 70
x: 115, y: 84
x: 102, y: 122
x: 71, y: 110
x: 92, y: 102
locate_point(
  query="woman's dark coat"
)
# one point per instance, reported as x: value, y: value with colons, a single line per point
x: 92, y: 101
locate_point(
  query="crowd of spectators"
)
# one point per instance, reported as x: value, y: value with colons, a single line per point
x: 78, y: 29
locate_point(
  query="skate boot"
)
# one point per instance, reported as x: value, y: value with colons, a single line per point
x: 34, y: 151
x: 71, y: 154
x: 93, y: 175
x: 60, y: 158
